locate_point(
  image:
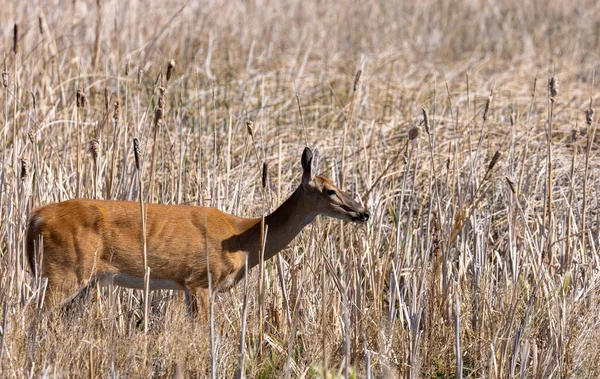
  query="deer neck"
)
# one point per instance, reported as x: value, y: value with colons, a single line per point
x: 283, y: 225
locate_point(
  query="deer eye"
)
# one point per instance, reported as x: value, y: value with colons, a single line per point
x: 330, y: 192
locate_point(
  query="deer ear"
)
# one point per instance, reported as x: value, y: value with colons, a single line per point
x: 307, y: 172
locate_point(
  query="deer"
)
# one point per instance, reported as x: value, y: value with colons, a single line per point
x: 82, y: 242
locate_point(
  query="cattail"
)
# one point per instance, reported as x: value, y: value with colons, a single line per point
x: 553, y: 87
x: 357, y: 80
x: 426, y: 119
x: 41, y: 25
x: 117, y: 111
x: 94, y: 148
x: 512, y: 118
x: 589, y: 116
x: 511, y: 185
x: 487, y: 107
x: 24, y: 169
x: 31, y: 136
x: 265, y: 174
x: 170, y: 69
x: 249, y: 125
x: 576, y: 132
x: 140, y: 76
x: 106, y: 100
x: 16, y: 39
x: 127, y: 68
x: 494, y: 160
x: 5, y: 76
x: 81, y: 99
x: 136, y: 153
x: 413, y: 133
x: 160, y: 107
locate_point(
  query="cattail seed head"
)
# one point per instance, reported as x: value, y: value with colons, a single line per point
x: 16, y: 39
x: 357, y: 80
x: 553, y: 87
x: 136, y: 152
x: 589, y: 116
x: 265, y: 174
x: 426, y: 119
x: 160, y: 107
x: 494, y: 160
x: 31, y: 136
x: 41, y: 25
x: 487, y: 108
x: 576, y: 132
x: 127, y: 67
x: 5, y: 78
x: 81, y: 99
x: 24, y: 169
x: 170, y: 69
x: 94, y: 148
x: 511, y: 184
x: 413, y: 133
x: 249, y: 127
x: 512, y: 118
x: 117, y: 111
x: 106, y: 100
x: 140, y: 76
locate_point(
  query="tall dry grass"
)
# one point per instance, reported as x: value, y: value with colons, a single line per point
x: 481, y: 256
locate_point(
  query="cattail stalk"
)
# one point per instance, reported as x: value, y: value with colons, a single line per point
x: 240, y: 371
x: 98, y: 27
x: 136, y: 153
x: 115, y: 147
x: 81, y: 102
x: 548, y: 212
x: 158, y: 121
x: 591, y: 131
x: 568, y: 259
x: 94, y: 150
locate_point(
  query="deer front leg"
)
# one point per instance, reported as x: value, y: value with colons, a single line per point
x: 196, y: 300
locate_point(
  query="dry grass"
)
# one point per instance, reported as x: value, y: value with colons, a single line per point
x: 473, y: 264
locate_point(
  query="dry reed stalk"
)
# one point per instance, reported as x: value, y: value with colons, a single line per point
x: 138, y: 166
x: 566, y: 265
x: 16, y: 88
x: 211, y: 312
x: 81, y: 102
x: 261, y: 285
x: 240, y: 374
x: 115, y: 146
x: 94, y: 149
x: 96, y: 52
x: 302, y: 119
x: 4, y: 321
x: 158, y: 121
x: 590, y: 134
x: 549, y: 212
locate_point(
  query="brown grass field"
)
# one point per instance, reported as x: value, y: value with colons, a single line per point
x: 481, y: 256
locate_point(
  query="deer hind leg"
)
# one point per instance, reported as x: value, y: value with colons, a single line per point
x: 59, y: 287
x: 65, y: 293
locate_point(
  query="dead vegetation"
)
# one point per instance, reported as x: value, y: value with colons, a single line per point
x: 469, y: 132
